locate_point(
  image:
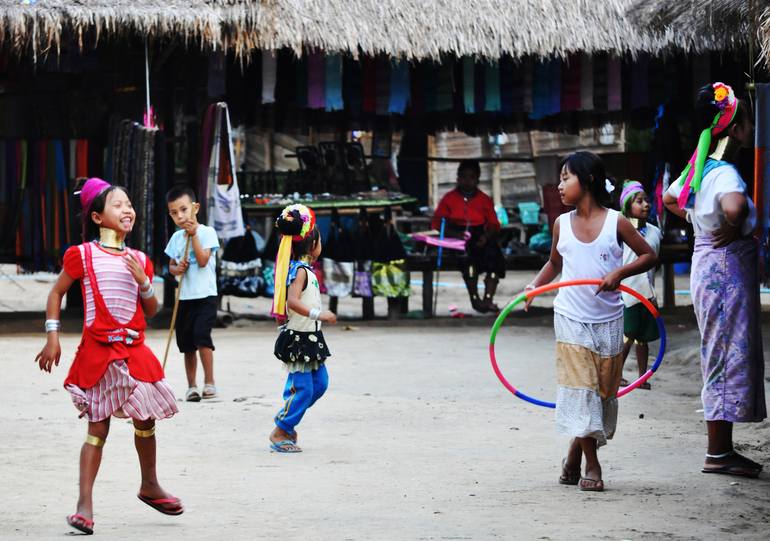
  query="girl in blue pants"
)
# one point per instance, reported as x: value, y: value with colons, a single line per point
x: 297, y: 304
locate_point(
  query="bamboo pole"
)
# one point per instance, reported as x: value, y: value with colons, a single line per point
x: 176, y: 304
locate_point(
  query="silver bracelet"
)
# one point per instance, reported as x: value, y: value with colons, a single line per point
x: 147, y: 293
x: 314, y: 314
x: 52, y: 325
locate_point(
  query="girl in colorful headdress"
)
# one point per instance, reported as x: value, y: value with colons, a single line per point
x: 114, y: 373
x: 297, y: 304
x: 639, y: 327
x: 724, y: 283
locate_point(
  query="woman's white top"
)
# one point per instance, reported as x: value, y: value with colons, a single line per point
x: 581, y: 260
x: 706, y: 214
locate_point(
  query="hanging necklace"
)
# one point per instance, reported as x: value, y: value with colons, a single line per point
x: 108, y: 238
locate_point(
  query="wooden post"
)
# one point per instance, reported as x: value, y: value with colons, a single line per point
x: 497, y: 191
x: 669, y: 295
x: 432, y: 177
x: 427, y: 292
x: 367, y: 308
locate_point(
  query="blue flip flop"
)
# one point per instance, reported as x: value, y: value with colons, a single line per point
x: 285, y: 446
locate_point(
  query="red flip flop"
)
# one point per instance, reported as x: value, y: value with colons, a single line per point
x: 81, y: 523
x: 158, y: 504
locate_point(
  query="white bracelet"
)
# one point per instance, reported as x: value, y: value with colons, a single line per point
x: 146, y: 283
x: 52, y: 325
x: 147, y: 293
x: 314, y: 314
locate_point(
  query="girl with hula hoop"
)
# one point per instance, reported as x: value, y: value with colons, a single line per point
x: 588, y: 243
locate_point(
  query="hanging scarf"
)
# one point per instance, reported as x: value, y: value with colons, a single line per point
x: 691, y: 177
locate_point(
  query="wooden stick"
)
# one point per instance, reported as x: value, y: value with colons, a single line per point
x: 176, y: 303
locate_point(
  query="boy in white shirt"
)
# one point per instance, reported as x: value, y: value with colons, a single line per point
x: 198, y: 298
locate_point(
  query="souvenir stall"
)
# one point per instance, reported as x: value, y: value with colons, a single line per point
x: 324, y: 79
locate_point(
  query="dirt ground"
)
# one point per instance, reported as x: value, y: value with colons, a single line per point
x: 416, y: 439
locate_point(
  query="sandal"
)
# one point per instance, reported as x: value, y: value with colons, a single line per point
x: 750, y: 468
x: 192, y: 395
x: 568, y: 477
x: 285, y: 446
x: 591, y: 485
x: 81, y: 523
x: 162, y: 505
x: 209, y: 391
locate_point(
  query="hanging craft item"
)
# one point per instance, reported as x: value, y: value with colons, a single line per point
x: 218, y: 186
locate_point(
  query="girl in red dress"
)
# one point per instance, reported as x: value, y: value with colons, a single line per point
x: 114, y: 373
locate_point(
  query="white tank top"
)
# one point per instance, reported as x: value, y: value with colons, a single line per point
x: 581, y: 260
x: 310, y: 297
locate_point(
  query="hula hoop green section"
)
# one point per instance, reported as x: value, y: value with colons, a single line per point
x: 534, y: 293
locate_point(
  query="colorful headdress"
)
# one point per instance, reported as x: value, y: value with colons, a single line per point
x: 295, y: 223
x: 91, y: 189
x: 630, y: 189
x: 690, y: 179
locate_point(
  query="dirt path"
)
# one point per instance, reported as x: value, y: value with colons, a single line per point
x: 416, y: 439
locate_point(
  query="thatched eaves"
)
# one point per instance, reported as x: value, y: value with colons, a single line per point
x: 700, y: 25
x: 412, y: 29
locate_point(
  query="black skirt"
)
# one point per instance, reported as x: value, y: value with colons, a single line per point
x: 487, y: 258
x: 301, y: 347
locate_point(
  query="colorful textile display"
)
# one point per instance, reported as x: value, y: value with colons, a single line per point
x: 37, y: 213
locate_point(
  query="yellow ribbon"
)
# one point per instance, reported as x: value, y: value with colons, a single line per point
x: 281, y: 274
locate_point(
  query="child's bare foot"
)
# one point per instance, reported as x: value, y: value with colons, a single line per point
x: 283, y: 442
x: 732, y: 464
x: 153, y: 495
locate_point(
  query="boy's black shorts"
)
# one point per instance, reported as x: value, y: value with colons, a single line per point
x: 194, y: 321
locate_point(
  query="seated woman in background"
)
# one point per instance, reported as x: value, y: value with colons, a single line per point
x: 468, y: 209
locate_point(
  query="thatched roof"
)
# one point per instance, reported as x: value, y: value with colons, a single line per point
x: 405, y: 28
x: 700, y: 25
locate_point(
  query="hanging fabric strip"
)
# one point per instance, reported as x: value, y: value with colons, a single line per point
x: 527, y: 70
x: 269, y: 72
x: 586, y: 82
x: 492, y: 87
x: 301, y: 71
x: 540, y: 91
x: 614, y: 88
x: 640, y: 86
x: 383, y: 85
x: 316, y: 80
x: 216, y: 82
x: 445, y: 86
x: 334, y: 83
x: 509, y: 91
x: 399, y: 87
x: 469, y: 85
x: 370, y: 85
x: 554, y: 86
x: 571, y: 87
x: 353, y: 83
